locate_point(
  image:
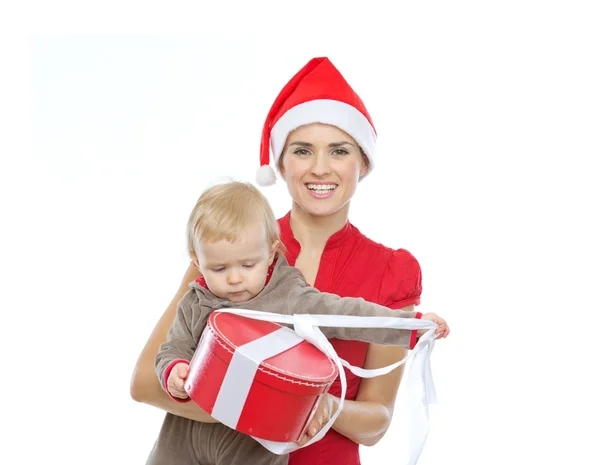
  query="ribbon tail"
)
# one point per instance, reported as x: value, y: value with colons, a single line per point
x: 421, y: 393
x: 428, y: 377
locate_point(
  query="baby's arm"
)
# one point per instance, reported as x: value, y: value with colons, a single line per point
x: 171, y: 362
x: 308, y: 300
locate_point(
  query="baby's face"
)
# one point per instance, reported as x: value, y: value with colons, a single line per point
x: 236, y: 271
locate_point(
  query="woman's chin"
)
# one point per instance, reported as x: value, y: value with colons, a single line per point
x: 323, y: 207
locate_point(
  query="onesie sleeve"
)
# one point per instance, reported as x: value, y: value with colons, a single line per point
x: 301, y: 298
x: 401, y: 282
x: 180, y: 344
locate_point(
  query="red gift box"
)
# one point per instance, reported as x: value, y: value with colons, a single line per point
x: 258, y: 377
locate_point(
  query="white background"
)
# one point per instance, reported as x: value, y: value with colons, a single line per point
x: 115, y: 116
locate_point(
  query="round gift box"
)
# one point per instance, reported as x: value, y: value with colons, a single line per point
x: 285, y: 389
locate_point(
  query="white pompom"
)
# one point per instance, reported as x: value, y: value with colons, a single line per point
x: 265, y: 176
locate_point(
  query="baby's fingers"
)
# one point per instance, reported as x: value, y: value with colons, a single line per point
x: 178, y: 383
x: 442, y: 330
x: 182, y: 370
x: 441, y: 325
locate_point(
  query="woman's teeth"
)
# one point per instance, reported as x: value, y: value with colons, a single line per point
x: 321, y: 188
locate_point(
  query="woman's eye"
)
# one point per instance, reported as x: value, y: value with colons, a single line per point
x: 340, y: 152
x: 300, y: 152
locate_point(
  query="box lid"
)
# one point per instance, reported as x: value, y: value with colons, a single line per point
x: 301, y: 369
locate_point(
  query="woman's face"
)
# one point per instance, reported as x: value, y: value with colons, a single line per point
x: 321, y: 165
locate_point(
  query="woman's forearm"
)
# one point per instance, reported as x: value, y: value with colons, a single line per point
x: 363, y: 422
x: 368, y: 418
x: 150, y: 392
x: 145, y: 386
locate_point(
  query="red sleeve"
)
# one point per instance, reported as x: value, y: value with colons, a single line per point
x: 401, y: 283
x: 413, y: 333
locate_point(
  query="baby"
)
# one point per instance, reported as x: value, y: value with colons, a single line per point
x: 233, y: 240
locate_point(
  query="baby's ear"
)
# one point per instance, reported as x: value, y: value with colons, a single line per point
x: 195, y: 262
x: 273, y: 252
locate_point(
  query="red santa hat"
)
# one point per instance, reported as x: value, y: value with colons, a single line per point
x: 318, y: 93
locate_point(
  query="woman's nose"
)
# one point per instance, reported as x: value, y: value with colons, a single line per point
x: 320, y: 166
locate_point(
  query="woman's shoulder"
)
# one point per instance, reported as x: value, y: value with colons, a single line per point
x: 381, y: 253
x: 397, y: 270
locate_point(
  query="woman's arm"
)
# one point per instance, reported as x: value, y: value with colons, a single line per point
x: 366, y: 419
x: 145, y: 386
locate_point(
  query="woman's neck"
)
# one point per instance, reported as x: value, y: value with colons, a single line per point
x: 313, y: 231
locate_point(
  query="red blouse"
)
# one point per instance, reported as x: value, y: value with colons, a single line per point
x: 354, y: 266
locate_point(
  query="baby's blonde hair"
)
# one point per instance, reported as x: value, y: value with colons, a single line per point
x: 225, y: 211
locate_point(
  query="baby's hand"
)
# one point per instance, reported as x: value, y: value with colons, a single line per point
x: 442, y: 330
x: 176, y: 380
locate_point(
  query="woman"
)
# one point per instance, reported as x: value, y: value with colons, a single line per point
x: 323, y: 141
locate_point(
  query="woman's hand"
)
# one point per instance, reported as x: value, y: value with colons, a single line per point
x: 366, y: 419
x: 326, y: 408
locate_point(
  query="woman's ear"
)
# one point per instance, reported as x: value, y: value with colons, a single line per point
x: 364, y: 168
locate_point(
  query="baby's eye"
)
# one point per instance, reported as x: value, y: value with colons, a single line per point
x: 249, y: 265
x: 218, y: 270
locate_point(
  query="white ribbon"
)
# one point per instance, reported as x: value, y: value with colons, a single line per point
x: 421, y: 391
x: 242, y: 369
